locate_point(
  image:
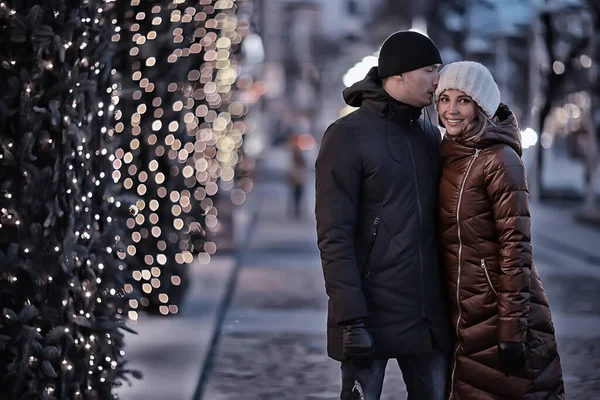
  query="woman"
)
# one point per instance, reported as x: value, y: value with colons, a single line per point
x: 505, y: 344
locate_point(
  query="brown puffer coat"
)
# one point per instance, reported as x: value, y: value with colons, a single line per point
x: 494, y: 287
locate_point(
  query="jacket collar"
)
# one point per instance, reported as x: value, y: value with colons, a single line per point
x: 370, y: 95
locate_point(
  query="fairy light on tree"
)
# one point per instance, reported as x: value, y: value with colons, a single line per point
x: 178, y: 135
x: 60, y: 279
x: 217, y: 133
x: 63, y: 249
x: 150, y: 163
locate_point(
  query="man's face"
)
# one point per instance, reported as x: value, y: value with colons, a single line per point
x: 417, y: 87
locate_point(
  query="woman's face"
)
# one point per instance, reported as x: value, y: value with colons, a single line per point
x: 456, y: 110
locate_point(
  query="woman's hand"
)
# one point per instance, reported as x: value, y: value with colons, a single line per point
x: 513, y: 356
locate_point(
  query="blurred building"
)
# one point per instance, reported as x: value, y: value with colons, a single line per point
x: 314, y: 48
x: 541, y: 55
x: 497, y: 34
x: 309, y: 45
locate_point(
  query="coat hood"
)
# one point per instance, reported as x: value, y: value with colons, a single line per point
x: 369, y: 93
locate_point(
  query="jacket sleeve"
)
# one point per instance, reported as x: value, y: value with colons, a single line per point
x: 507, y: 189
x: 338, y: 181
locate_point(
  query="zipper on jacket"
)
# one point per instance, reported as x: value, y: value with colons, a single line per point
x: 419, y: 209
x: 371, y: 244
x: 487, y: 275
x: 460, y: 193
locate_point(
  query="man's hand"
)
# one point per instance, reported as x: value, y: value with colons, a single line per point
x: 358, y: 344
x: 513, y: 356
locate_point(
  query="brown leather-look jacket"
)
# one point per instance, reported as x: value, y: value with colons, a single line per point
x: 494, y: 287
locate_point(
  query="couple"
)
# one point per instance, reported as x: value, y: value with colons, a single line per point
x: 425, y: 242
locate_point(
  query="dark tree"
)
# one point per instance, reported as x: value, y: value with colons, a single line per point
x: 557, y: 34
x: 60, y: 279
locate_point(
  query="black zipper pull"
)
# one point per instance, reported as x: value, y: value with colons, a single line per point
x: 374, y: 233
x: 372, y: 243
x: 376, y: 225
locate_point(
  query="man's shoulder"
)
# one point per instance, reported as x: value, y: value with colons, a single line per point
x: 343, y: 124
x: 349, y: 119
x: 353, y: 122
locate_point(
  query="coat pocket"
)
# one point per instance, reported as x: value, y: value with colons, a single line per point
x: 487, y: 276
x: 370, y: 245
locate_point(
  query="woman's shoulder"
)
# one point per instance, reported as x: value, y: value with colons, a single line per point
x: 503, y: 163
x: 502, y: 154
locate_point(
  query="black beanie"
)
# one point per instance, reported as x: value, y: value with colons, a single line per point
x: 405, y: 51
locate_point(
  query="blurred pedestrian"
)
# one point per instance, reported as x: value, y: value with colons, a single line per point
x: 377, y: 176
x: 296, y: 178
x: 505, y: 346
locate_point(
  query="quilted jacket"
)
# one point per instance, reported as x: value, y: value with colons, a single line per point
x: 494, y: 287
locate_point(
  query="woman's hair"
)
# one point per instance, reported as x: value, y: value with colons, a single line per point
x: 479, y: 124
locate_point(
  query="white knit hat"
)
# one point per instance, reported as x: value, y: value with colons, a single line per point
x: 475, y: 80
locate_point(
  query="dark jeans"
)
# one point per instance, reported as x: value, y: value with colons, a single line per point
x: 425, y: 376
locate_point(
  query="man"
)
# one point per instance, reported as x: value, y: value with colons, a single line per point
x: 377, y: 177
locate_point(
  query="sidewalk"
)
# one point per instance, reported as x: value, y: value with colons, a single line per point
x: 567, y: 255
x: 171, y: 352
x: 272, y: 344
x: 559, y: 240
x: 565, y: 177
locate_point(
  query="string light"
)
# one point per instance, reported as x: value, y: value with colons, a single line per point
x: 193, y: 149
x: 76, y: 189
x: 191, y: 129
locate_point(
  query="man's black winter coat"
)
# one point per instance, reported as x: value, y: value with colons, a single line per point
x: 377, y: 177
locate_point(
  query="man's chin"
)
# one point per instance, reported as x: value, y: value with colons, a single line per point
x: 427, y: 101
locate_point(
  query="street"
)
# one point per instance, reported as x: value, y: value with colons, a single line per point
x: 272, y: 341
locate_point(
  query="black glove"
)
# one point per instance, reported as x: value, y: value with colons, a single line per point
x: 358, y: 344
x: 513, y: 356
